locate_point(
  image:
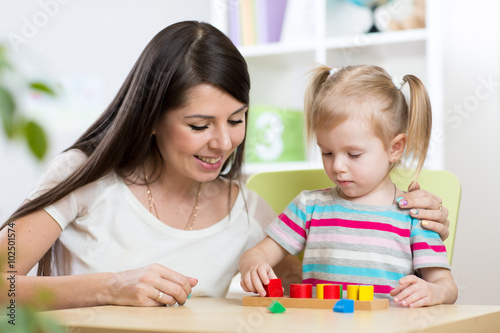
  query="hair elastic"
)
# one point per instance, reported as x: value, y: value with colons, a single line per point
x: 332, y: 71
x: 398, y: 82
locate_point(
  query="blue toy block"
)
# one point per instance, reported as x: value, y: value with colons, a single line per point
x: 344, y: 306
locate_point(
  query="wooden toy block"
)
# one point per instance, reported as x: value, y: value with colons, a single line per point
x: 274, y: 288
x: 320, y: 290
x: 300, y: 290
x: 366, y: 293
x: 332, y: 291
x: 344, y: 306
x: 276, y: 307
x: 314, y: 303
x: 353, y: 292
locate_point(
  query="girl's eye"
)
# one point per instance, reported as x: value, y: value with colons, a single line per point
x: 326, y: 154
x: 198, y: 128
x: 354, y: 155
x: 235, y: 122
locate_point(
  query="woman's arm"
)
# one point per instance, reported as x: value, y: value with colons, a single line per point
x: 37, y: 232
x: 428, y: 208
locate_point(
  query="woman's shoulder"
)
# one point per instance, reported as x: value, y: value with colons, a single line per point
x: 68, y: 160
x: 58, y: 169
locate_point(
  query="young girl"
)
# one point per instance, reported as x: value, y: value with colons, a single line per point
x: 355, y: 233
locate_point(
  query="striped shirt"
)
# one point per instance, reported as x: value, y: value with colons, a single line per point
x: 350, y: 243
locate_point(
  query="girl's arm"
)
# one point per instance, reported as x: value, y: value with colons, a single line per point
x: 37, y: 232
x: 424, y: 206
x: 436, y: 287
x: 256, y: 265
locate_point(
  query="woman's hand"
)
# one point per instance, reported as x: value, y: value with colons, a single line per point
x: 149, y: 286
x: 426, y: 207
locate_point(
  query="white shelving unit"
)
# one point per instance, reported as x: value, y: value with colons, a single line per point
x: 278, y: 71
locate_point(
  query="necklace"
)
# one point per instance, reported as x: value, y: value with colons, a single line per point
x: 194, y: 213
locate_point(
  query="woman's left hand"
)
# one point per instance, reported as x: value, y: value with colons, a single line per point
x: 428, y: 208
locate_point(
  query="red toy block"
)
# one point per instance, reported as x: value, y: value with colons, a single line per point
x: 274, y: 288
x: 331, y: 291
x: 300, y: 290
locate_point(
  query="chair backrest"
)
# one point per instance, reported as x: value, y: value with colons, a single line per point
x: 278, y: 188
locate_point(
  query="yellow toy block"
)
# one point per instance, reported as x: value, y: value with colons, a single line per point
x: 366, y: 293
x: 319, y: 290
x: 353, y: 292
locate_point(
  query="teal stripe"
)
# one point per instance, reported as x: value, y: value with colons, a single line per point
x: 294, y: 209
x: 424, y: 233
x: 419, y: 231
x: 355, y: 271
x: 338, y: 208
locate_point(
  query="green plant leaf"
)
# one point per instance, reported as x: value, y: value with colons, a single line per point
x: 42, y: 87
x: 4, y: 61
x: 7, y: 110
x: 36, y: 139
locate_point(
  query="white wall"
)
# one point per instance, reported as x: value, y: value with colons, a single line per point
x: 87, y: 45
x: 472, y: 147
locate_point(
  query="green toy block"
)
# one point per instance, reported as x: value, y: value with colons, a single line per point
x: 276, y: 307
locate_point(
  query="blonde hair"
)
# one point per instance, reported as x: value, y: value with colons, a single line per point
x: 368, y: 93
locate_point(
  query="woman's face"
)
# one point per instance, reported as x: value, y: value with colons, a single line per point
x: 196, y: 140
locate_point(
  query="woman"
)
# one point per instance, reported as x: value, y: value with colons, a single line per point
x: 146, y: 204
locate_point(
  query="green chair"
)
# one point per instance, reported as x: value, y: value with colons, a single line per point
x: 279, y: 188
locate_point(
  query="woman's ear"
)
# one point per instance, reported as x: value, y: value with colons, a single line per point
x: 397, y: 147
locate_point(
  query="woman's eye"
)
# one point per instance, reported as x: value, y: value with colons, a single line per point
x: 198, y: 128
x: 326, y: 154
x: 235, y: 122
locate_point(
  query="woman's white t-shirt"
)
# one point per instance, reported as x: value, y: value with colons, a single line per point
x: 106, y: 229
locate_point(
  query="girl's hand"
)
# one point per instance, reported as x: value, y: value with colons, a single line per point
x: 255, y: 277
x: 426, y: 207
x: 415, y: 292
x: 149, y: 286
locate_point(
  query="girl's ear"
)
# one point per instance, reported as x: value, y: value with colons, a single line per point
x: 397, y: 147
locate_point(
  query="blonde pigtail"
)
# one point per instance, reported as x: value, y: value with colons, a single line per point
x: 419, y: 123
x: 317, y: 78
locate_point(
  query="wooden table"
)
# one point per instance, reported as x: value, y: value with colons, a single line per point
x: 228, y: 315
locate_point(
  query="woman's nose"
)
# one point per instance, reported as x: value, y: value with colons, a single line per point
x: 221, y: 139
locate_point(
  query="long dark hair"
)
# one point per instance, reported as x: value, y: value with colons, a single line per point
x: 178, y: 58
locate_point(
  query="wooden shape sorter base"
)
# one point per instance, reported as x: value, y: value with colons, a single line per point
x: 314, y: 303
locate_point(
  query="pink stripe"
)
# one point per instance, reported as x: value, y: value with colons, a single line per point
x: 360, y: 225
x: 379, y: 289
x: 429, y: 260
x: 381, y: 242
x: 426, y: 246
x: 286, y: 237
x: 292, y: 225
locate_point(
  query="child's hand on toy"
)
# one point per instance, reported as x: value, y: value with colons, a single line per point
x: 254, y: 279
x: 415, y: 292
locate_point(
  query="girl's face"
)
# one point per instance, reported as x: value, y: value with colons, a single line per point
x: 197, y: 139
x: 356, y: 161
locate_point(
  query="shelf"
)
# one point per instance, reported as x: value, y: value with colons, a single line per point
x: 375, y: 39
x: 333, y: 43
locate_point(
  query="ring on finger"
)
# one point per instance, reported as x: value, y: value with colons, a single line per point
x: 160, y: 295
x: 440, y: 205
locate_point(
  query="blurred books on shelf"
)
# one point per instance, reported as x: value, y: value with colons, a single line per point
x: 253, y: 22
x: 275, y: 135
